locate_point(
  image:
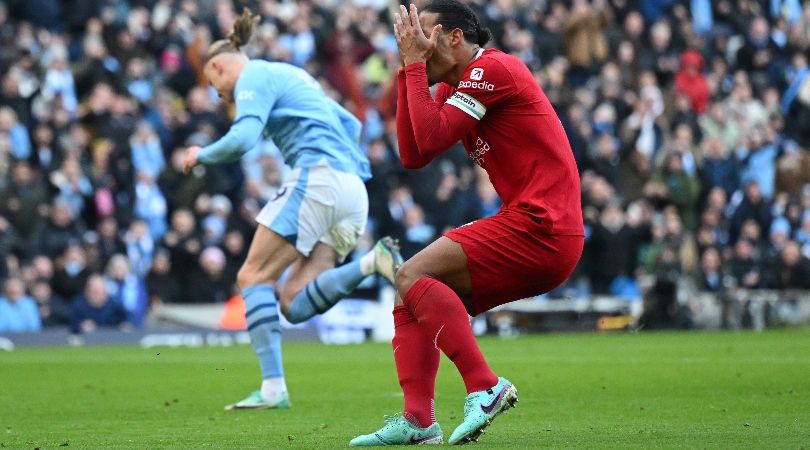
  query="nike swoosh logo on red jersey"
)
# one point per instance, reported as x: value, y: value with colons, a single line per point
x: 488, y: 408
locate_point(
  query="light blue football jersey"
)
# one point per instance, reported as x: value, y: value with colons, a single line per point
x: 305, y: 124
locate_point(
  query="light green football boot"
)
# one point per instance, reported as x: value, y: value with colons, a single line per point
x: 387, y: 259
x: 481, y: 408
x: 258, y: 401
x: 399, y: 431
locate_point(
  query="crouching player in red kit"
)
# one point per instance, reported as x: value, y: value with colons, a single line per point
x: 491, y: 102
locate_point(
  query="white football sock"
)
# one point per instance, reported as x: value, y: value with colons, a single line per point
x: 367, y: 263
x: 272, y: 387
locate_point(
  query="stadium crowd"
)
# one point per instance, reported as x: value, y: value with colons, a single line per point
x: 689, y: 120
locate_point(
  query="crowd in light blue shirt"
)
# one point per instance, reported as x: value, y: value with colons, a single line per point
x: 19, y: 316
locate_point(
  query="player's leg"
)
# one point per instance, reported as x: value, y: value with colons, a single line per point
x: 332, y: 219
x: 315, y: 285
x: 268, y: 256
x: 435, y: 285
x: 432, y: 285
x: 508, y: 257
x: 417, y: 362
x: 439, y: 320
x: 276, y: 245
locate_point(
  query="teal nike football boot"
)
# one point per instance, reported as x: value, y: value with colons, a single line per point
x: 481, y: 408
x: 400, y: 431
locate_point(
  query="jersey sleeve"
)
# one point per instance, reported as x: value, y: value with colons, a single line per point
x: 254, y: 95
x: 443, y: 92
x: 435, y: 126
x: 406, y: 143
x: 485, y: 85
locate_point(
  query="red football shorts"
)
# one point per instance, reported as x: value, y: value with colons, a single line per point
x: 511, y: 256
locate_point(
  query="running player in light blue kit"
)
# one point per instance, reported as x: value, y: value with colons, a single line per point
x: 316, y: 217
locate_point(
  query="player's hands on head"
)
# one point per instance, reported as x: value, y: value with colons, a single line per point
x: 190, y: 160
x: 414, y: 45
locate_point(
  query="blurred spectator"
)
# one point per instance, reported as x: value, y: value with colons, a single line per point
x: 18, y: 312
x: 792, y: 271
x: 161, y: 283
x: 7, y: 243
x: 53, y: 310
x: 23, y: 199
x: 71, y: 273
x: 418, y: 234
x: 758, y: 160
x: 759, y: 52
x: 215, y: 222
x: 611, y: 240
x: 127, y: 289
x: 711, y: 275
x: 139, y: 248
x: 803, y: 233
x: 236, y: 251
x: 606, y: 161
x: 184, y: 244
x: 209, y: 283
x: 16, y: 132
x: 150, y: 205
x: 779, y: 237
x: 73, y: 185
x: 719, y: 169
x: 689, y: 81
x: 679, y: 188
x: 752, y: 206
x: 744, y: 267
x: 147, y: 154
x: 110, y: 241
x: 586, y: 46
x: 52, y: 236
x: 717, y: 123
x: 661, y: 56
x: 181, y: 190
x: 95, y: 309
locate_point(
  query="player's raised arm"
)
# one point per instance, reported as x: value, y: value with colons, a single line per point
x: 408, y: 149
x: 434, y: 127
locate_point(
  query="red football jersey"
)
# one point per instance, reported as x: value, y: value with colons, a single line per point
x: 518, y: 140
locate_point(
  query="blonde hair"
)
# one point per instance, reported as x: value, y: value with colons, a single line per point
x: 238, y: 38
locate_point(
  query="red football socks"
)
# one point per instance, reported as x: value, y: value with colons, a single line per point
x: 441, y: 315
x: 417, y: 361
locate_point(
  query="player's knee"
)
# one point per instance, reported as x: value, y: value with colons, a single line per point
x: 243, y: 278
x: 284, y: 302
x: 406, y: 276
x: 247, y: 277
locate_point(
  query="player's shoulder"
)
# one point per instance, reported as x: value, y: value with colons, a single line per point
x: 255, y: 71
x: 261, y: 67
x: 494, y: 56
x: 498, y: 63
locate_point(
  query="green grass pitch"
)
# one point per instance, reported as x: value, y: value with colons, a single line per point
x: 628, y: 390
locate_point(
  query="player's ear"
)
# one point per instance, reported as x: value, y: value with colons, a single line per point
x: 217, y: 66
x: 455, y: 37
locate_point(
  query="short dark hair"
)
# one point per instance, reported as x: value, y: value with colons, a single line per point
x: 454, y: 14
